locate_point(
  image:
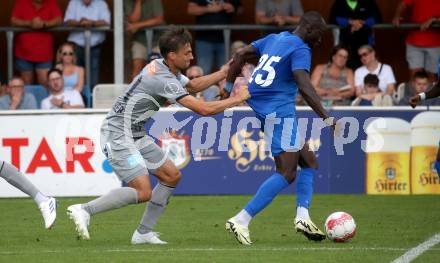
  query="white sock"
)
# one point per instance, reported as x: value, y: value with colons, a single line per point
x: 40, y: 198
x: 243, y: 218
x: 302, y: 212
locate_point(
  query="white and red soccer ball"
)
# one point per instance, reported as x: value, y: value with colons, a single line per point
x: 340, y: 227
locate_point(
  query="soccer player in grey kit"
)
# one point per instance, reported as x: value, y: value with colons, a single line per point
x: 47, y: 205
x: 132, y: 154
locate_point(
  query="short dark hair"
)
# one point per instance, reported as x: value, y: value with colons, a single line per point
x: 52, y: 70
x: 421, y: 74
x: 371, y: 79
x: 173, y: 39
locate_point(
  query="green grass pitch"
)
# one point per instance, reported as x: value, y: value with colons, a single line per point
x: 194, y: 227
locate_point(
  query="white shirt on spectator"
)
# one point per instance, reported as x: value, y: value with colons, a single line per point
x: 71, y: 97
x: 386, y: 76
x: 96, y: 10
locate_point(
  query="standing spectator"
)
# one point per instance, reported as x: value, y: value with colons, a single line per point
x: 422, y: 46
x: 34, y: 50
x: 355, y: 17
x: 278, y: 12
x: 16, y: 98
x: 60, y: 98
x: 141, y: 14
x: 88, y: 13
x: 370, y: 63
x: 210, y: 48
x: 73, y: 75
x: 334, y: 81
x: 419, y: 83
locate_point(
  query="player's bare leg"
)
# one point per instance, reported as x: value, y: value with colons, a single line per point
x: 169, y: 176
x: 138, y: 190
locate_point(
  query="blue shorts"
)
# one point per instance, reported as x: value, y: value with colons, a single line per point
x: 280, y: 133
x: 25, y: 65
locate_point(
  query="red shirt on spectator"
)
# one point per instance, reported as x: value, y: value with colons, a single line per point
x: 35, y: 46
x: 421, y: 11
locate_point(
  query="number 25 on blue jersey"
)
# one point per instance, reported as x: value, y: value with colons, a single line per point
x: 265, y: 64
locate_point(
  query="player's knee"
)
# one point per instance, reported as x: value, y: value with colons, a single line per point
x: 172, y: 178
x: 144, y: 195
x: 289, y: 175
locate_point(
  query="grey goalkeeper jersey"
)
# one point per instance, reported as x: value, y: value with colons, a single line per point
x: 149, y: 90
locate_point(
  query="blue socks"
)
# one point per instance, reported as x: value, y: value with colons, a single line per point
x: 437, y: 167
x: 266, y: 193
x: 304, y: 187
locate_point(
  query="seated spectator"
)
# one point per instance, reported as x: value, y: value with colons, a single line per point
x: 141, y: 14
x: 34, y: 50
x: 419, y: 83
x: 278, y: 12
x: 73, y: 75
x: 211, y: 93
x: 16, y: 98
x: 371, y: 95
x: 334, y: 81
x: 60, y: 98
x: 371, y: 65
x: 356, y: 19
x: 88, y: 13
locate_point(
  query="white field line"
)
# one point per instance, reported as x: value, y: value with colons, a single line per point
x: 209, y: 250
x: 414, y: 252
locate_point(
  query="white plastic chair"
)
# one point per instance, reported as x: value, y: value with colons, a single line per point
x: 104, y: 95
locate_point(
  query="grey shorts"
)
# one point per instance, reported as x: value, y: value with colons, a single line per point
x: 138, y: 50
x: 129, y: 158
x: 421, y: 57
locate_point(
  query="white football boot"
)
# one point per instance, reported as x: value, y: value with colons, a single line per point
x: 241, y: 232
x: 81, y: 219
x: 49, y: 211
x: 147, y: 238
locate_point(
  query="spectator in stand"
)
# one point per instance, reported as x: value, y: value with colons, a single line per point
x: 422, y: 46
x: 278, y: 12
x: 73, y: 75
x: 60, y: 98
x: 356, y: 18
x: 371, y: 95
x: 419, y: 83
x: 210, y: 48
x: 334, y: 81
x: 371, y: 65
x: 34, y: 50
x: 209, y: 94
x: 88, y: 13
x: 16, y: 98
x: 141, y: 14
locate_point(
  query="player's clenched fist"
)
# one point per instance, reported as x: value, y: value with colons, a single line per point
x: 243, y: 93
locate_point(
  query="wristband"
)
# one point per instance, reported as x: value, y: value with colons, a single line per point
x: 329, y: 121
x: 229, y: 86
x: 422, y: 95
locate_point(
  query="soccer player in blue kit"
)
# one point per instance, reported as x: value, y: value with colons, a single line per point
x: 432, y: 93
x: 283, y: 68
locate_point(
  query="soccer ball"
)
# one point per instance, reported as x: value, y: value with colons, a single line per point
x: 340, y: 227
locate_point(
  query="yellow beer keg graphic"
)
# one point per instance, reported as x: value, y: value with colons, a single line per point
x: 387, y: 154
x: 425, y: 136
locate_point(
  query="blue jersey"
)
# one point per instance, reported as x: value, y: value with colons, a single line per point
x: 272, y: 86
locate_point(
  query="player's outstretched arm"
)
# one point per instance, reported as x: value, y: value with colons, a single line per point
x: 214, y: 107
x: 247, y: 55
x: 307, y: 91
x: 434, y: 92
x: 201, y: 83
